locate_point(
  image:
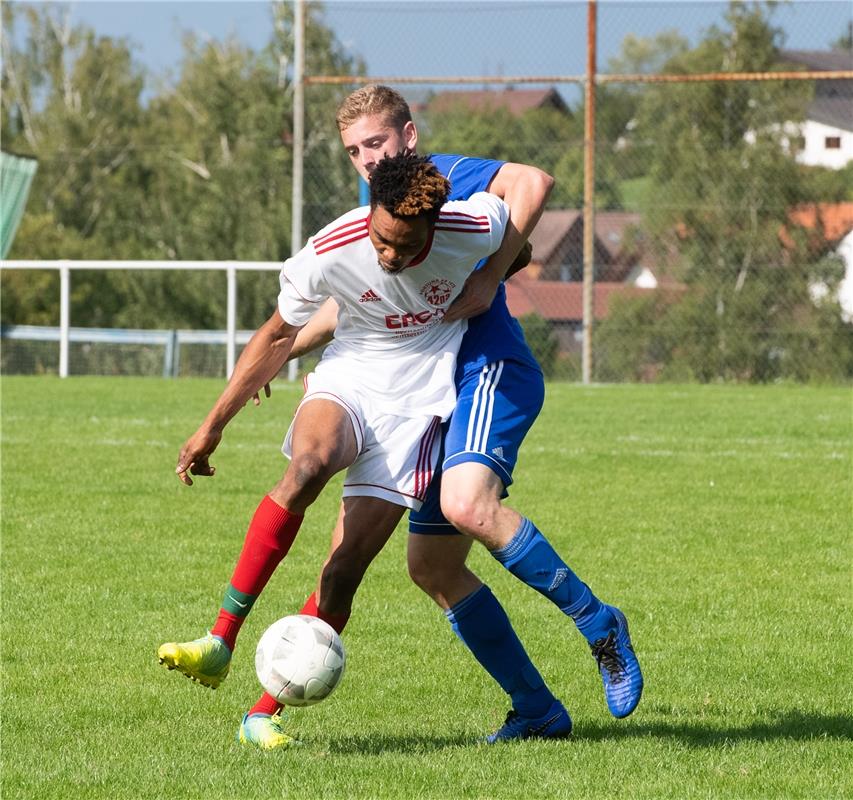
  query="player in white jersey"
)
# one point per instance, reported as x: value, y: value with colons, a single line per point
x: 389, y: 339
x: 500, y: 389
x: 393, y: 273
x: 392, y: 358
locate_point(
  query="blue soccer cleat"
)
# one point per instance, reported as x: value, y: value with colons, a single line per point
x: 619, y: 668
x: 554, y: 724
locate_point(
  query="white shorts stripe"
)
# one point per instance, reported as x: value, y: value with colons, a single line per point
x: 484, y: 431
x: 482, y: 409
x: 472, y: 417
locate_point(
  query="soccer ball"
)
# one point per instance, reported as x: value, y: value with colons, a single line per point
x: 300, y: 660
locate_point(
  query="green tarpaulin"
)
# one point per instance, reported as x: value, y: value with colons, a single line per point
x: 16, y: 175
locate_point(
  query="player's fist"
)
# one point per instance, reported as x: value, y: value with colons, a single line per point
x: 194, y: 455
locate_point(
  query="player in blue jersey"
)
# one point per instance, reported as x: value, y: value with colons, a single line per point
x: 500, y: 391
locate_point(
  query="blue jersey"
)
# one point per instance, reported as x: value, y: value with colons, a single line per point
x: 494, y: 335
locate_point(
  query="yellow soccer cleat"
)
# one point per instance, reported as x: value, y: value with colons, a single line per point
x: 206, y: 660
x: 264, y: 732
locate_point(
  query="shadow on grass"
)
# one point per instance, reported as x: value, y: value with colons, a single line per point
x: 793, y: 725
x: 784, y: 725
x: 375, y: 745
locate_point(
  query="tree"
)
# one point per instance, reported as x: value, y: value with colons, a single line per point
x: 202, y: 172
x: 723, y: 185
x: 845, y: 41
x: 542, y: 340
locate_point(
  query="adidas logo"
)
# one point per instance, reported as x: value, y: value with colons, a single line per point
x: 559, y: 577
x: 368, y: 296
x: 498, y: 451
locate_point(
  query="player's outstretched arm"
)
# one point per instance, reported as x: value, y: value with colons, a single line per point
x: 525, y: 190
x: 259, y: 363
x: 318, y: 332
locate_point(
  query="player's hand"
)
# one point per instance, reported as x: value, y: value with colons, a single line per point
x: 256, y: 397
x: 476, y: 297
x: 195, y: 454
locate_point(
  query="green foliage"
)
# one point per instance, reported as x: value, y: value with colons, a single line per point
x: 723, y: 183
x: 202, y: 171
x: 542, y: 340
x: 824, y: 185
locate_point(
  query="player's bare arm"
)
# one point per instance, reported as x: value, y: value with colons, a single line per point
x: 260, y: 361
x: 319, y: 331
x: 525, y: 190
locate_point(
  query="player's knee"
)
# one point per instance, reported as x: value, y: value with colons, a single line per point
x: 421, y: 573
x: 435, y: 571
x: 308, y: 474
x: 470, y: 514
x: 432, y: 579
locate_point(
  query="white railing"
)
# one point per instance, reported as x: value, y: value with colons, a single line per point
x: 66, y: 267
x: 170, y: 340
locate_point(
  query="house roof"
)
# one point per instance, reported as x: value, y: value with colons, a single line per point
x: 559, y: 301
x: 835, y: 219
x: 836, y: 112
x: 552, y: 228
x: 820, y: 60
x: 516, y: 101
x: 611, y: 227
x: 549, y: 237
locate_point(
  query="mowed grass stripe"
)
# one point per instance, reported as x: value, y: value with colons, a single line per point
x: 717, y: 517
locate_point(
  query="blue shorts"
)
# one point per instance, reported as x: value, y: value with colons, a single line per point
x: 495, y: 407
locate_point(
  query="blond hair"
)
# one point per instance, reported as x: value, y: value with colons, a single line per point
x: 372, y: 100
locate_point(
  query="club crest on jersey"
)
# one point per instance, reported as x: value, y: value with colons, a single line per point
x: 437, y: 292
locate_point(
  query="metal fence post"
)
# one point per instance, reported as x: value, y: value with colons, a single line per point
x: 231, y: 325
x: 64, y: 317
x: 298, y: 140
x: 589, y: 194
x: 169, y: 355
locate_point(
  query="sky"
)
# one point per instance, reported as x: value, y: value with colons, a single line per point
x: 442, y: 37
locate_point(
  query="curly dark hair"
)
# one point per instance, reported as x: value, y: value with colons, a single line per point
x: 408, y: 185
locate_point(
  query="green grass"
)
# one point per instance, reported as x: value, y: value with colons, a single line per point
x: 636, y: 192
x: 718, y: 518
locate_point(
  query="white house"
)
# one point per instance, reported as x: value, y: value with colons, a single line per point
x: 845, y: 289
x: 826, y: 135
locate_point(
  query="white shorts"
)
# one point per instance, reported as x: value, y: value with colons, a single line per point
x: 396, y: 455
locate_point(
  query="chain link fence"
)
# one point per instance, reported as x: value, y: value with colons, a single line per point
x: 723, y: 184
x: 723, y: 222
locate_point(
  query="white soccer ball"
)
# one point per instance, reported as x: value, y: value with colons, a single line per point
x: 300, y: 660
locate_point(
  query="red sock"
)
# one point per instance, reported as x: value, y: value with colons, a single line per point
x: 337, y: 621
x: 267, y: 704
x: 271, y: 533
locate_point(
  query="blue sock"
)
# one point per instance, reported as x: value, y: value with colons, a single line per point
x: 531, y: 558
x: 484, y: 628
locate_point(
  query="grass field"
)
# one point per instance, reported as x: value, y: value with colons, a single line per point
x: 718, y: 518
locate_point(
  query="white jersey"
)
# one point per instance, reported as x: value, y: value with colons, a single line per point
x: 390, y: 341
